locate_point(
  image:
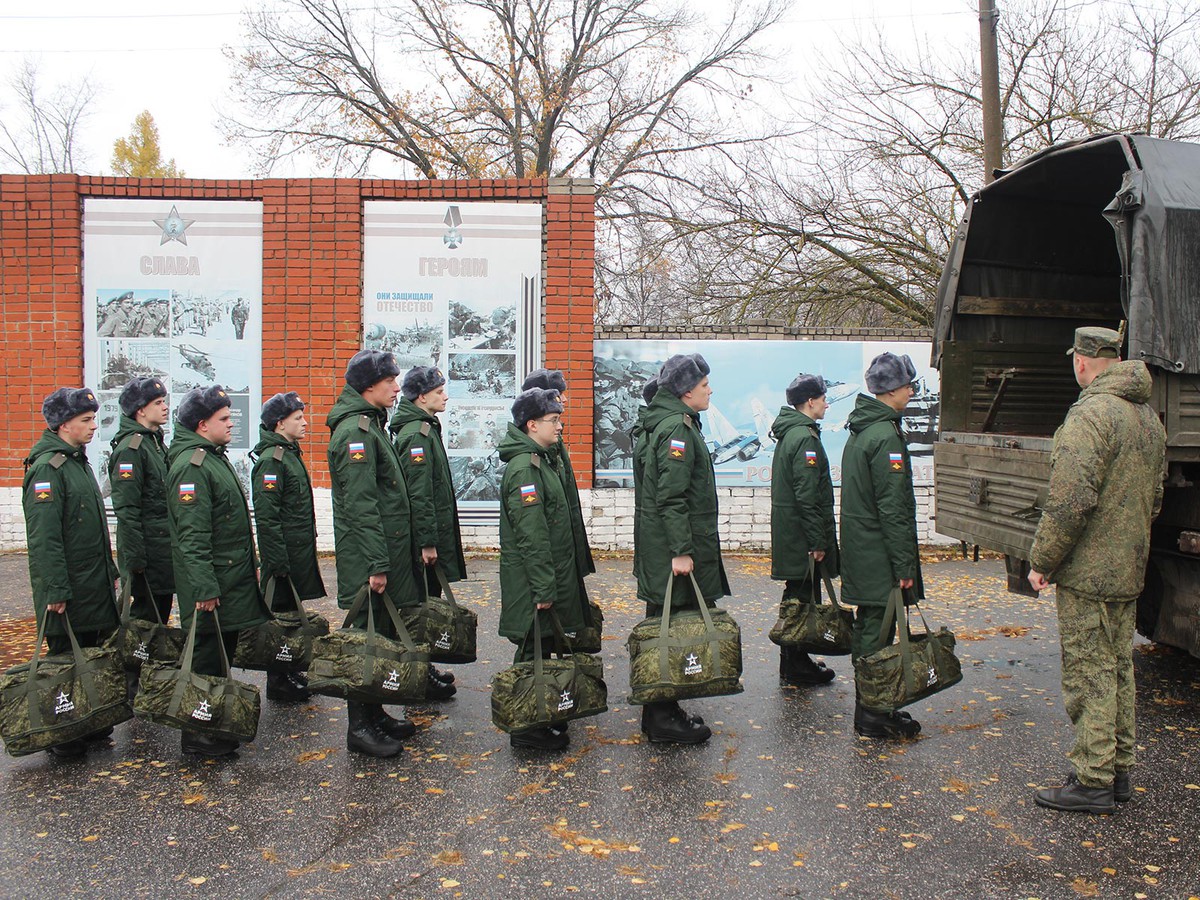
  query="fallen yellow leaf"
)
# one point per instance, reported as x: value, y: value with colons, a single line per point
x: 199, y: 879
x: 91, y: 837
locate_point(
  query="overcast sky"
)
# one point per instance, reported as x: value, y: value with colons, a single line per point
x: 167, y: 58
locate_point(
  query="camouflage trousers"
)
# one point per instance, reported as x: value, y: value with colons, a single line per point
x: 1097, y: 683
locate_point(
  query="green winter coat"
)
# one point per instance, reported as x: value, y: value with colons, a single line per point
x: 801, y: 499
x: 418, y: 437
x: 284, y: 514
x: 538, y: 562
x: 676, y: 511
x: 372, y: 519
x: 212, y: 544
x: 70, y: 557
x: 583, y: 550
x: 137, y: 471
x: 1106, y: 487
x: 879, y: 508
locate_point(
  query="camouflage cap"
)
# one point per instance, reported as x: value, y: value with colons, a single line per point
x: 1097, y: 342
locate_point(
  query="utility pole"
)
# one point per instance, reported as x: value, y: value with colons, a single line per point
x: 989, y: 67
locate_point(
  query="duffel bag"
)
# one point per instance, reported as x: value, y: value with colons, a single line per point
x: 141, y: 640
x: 683, y: 654
x: 55, y: 699
x: 366, y: 667
x: 448, y: 629
x: 551, y: 691
x: 915, y: 667
x: 588, y: 638
x: 217, y: 706
x: 284, y: 642
x: 813, y: 626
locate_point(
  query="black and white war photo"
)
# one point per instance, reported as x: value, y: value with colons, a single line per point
x: 413, y: 343
x: 121, y: 361
x: 132, y: 314
x: 477, y: 478
x: 482, y: 324
x: 223, y: 315
x: 200, y: 362
x: 483, y: 376
x: 475, y: 427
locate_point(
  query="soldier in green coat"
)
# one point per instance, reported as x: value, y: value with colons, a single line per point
x: 675, y: 517
x: 540, y: 565
x: 70, y: 558
x: 286, y: 522
x: 212, y: 543
x: 1093, y: 541
x: 372, y: 528
x: 137, y: 471
x: 418, y: 436
x: 803, y: 532
x: 879, y: 550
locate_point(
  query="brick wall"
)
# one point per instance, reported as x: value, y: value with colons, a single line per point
x: 312, y: 289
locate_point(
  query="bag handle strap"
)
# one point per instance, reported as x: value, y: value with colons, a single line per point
x: 562, y: 644
x: 82, y: 670
x: 442, y: 580
x: 360, y: 598
x: 186, y: 672
x: 269, y: 589
x: 895, y: 604
x: 711, y: 635
x: 125, y: 604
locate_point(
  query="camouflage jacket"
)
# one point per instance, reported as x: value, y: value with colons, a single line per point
x: 1106, y: 487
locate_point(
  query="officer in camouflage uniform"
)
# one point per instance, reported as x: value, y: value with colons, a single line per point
x: 286, y: 522
x: 417, y: 432
x: 137, y: 472
x: 1093, y: 542
x: 803, y: 532
x: 540, y: 565
x: 879, y: 550
x: 675, y: 517
x: 212, y: 543
x: 70, y: 559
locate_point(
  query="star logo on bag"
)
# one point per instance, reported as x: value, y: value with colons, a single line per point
x: 828, y: 635
x: 565, y: 702
x: 443, y: 642
x: 932, y: 677
x: 693, y: 666
x: 202, y: 712
x: 64, y: 704
x: 392, y: 682
x: 142, y: 652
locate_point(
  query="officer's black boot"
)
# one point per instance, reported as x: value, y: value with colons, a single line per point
x: 1122, y: 786
x: 363, y: 737
x: 668, y: 724
x: 438, y: 690
x: 1076, y: 797
x: 202, y: 745
x: 443, y: 677
x: 796, y: 667
x: 131, y: 684
x: 543, y: 738
x: 876, y: 723
x: 68, y: 749
x: 282, y: 688
x: 396, y: 729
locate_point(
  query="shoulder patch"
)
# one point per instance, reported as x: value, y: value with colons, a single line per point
x: 187, y: 492
x: 43, y: 492
x: 270, y: 481
x: 277, y: 454
x: 676, y: 449
x: 425, y: 429
x: 197, y: 458
x: 135, y: 442
x: 416, y: 455
x: 357, y: 451
x: 364, y: 423
x: 810, y: 457
x: 529, y: 494
x: 125, y: 470
x: 896, y: 462
x: 57, y: 460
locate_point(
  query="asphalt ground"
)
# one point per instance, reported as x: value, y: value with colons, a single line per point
x: 784, y: 801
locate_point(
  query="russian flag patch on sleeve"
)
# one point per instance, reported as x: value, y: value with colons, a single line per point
x: 677, y: 449
x: 896, y: 460
x: 42, y: 492
x: 187, y: 493
x: 529, y: 493
x: 125, y: 470
x: 416, y: 454
x: 269, y: 481
x: 810, y: 457
x: 357, y: 451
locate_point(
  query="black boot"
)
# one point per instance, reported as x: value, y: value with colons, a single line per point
x: 443, y: 677
x: 875, y: 723
x: 797, y: 668
x: 363, y: 736
x: 131, y: 684
x: 68, y: 749
x: 195, y: 742
x: 281, y: 688
x: 1122, y: 786
x: 397, y: 729
x: 438, y: 690
x: 543, y: 738
x: 1076, y: 797
x: 668, y: 724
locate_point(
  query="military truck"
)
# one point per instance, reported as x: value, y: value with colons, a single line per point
x: 1101, y: 231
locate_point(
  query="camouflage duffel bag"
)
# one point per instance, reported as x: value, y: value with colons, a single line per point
x: 915, y: 667
x: 363, y: 666
x: 551, y: 691
x: 683, y: 654
x: 54, y: 699
x: 448, y: 629
x: 141, y: 640
x: 813, y: 626
x: 217, y: 706
x: 284, y: 643
x: 587, y: 639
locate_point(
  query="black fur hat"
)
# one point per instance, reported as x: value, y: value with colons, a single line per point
x: 649, y: 389
x: 369, y: 367
x: 421, y: 380
x: 889, y: 371
x: 67, y: 403
x: 804, y: 388
x: 682, y: 372
x: 139, y: 392
x: 547, y: 379
x: 199, y: 404
x: 279, y: 408
x: 534, y: 404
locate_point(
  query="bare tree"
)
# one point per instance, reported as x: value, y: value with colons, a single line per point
x: 848, y: 224
x: 40, y: 130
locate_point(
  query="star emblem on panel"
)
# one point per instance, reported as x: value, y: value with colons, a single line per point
x: 174, y: 227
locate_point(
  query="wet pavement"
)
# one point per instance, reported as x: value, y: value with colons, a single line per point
x: 784, y: 801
